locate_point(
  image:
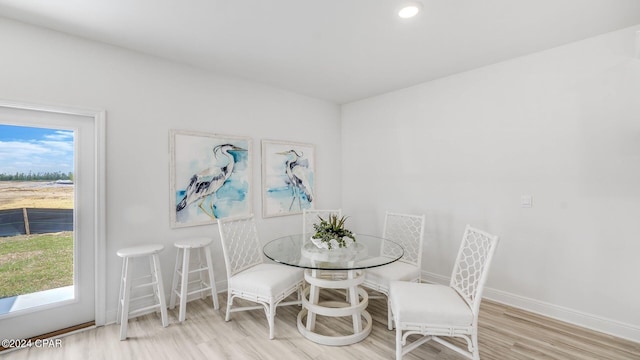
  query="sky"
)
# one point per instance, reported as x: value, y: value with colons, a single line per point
x: 31, y: 149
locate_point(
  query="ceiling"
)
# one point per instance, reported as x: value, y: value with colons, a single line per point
x: 338, y: 50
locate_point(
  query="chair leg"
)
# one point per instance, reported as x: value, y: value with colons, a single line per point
x: 476, y: 349
x: 389, y: 317
x: 398, y: 343
x: 271, y: 318
x: 229, y: 302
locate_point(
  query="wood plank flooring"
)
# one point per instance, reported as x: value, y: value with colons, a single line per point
x: 505, y: 333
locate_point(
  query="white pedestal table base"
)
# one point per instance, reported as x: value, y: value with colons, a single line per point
x: 354, y: 307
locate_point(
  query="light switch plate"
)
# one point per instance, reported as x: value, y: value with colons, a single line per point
x: 526, y: 201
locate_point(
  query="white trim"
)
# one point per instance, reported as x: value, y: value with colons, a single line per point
x: 100, y: 218
x: 435, y: 278
x: 51, y: 108
x: 38, y: 301
x: 594, y: 322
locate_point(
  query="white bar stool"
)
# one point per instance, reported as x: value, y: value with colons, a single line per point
x: 182, y: 272
x: 126, y: 285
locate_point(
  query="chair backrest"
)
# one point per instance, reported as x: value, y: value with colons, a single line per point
x: 472, y: 265
x: 240, y: 244
x: 310, y: 217
x: 406, y: 230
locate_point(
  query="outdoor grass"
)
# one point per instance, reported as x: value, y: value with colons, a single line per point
x: 31, y: 263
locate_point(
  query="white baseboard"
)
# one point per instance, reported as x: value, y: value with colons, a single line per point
x: 435, y: 278
x: 579, y: 318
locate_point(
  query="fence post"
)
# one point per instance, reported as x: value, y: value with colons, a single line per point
x: 26, y: 221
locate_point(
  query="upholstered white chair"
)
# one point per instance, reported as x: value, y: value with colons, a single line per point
x: 248, y: 277
x: 408, y: 231
x: 437, y: 311
x: 310, y: 217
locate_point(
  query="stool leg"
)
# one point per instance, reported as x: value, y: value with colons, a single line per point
x: 160, y: 289
x: 120, y: 295
x: 125, y: 299
x: 212, y: 279
x: 184, y: 285
x: 200, y: 276
x: 174, y: 282
x: 153, y: 278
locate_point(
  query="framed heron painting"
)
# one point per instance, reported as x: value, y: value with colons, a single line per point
x: 288, y: 177
x: 210, y: 177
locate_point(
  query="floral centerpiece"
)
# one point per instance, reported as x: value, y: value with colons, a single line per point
x: 332, y: 233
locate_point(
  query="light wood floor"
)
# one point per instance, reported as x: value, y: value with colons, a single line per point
x: 505, y: 333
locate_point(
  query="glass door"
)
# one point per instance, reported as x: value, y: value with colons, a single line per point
x: 48, y: 221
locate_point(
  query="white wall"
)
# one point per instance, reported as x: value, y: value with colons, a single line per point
x: 145, y: 97
x: 562, y: 125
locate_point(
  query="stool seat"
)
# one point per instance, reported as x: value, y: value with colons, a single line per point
x: 142, y: 250
x: 153, y: 280
x: 180, y: 284
x: 192, y: 243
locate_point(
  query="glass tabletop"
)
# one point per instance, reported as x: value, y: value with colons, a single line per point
x: 366, y: 252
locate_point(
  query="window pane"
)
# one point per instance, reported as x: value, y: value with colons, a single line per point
x: 36, y: 209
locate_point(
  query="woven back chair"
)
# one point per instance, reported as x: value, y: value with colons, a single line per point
x: 248, y: 277
x: 437, y: 311
x: 408, y: 231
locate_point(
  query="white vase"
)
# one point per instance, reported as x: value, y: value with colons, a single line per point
x: 318, y: 252
x: 320, y: 244
x: 333, y: 242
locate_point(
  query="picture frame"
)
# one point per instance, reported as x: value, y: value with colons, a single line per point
x: 288, y: 177
x: 210, y: 177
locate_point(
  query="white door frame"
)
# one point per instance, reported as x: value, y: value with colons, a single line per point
x: 99, y: 117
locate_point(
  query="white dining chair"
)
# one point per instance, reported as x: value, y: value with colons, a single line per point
x: 248, y: 277
x: 436, y: 311
x: 310, y: 217
x: 408, y: 231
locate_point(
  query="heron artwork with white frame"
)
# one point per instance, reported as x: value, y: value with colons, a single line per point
x: 288, y: 177
x: 210, y: 177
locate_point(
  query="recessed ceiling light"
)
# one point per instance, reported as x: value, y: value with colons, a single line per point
x: 409, y: 9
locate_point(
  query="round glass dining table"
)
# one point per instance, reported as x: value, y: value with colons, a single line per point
x: 337, y: 268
